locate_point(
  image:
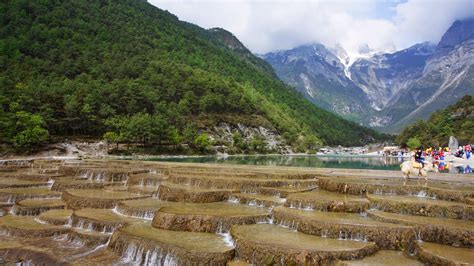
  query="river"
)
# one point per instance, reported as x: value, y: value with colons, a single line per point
x: 330, y: 161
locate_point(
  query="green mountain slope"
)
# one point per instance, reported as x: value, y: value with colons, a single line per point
x: 70, y: 66
x: 456, y: 120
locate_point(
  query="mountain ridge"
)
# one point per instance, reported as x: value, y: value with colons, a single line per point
x: 390, y: 88
x: 87, y: 67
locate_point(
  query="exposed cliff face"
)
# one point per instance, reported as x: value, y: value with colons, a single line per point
x: 383, y: 76
x: 224, y: 135
x: 459, y: 32
x: 445, y: 79
x: 386, y: 91
x: 320, y: 75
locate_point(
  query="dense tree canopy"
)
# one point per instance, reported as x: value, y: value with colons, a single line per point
x: 87, y: 67
x: 456, y: 120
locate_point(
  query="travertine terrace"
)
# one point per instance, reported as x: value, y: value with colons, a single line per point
x: 104, y: 212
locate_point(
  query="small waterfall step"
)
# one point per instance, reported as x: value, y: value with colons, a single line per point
x: 270, y: 244
x: 143, y: 190
x: 33, y: 207
x: 87, y: 237
x: 459, y: 233
x: 245, y: 184
x: 108, y: 174
x: 141, y: 208
x: 284, y: 191
x: 258, y: 200
x: 99, y: 220
x: 96, y: 198
x: 359, y: 186
x: 383, y: 258
x: 451, y: 191
x: 185, y: 193
x: 64, y: 183
x: 207, y: 217
x: 145, y: 180
x: 11, y: 195
x: 343, y: 225
x: 28, y: 226
x: 33, y: 176
x: 142, y: 244
x: 102, y: 256
x: 21, y: 183
x: 56, y: 217
x: 55, y: 250
x: 14, y: 252
x: 327, y: 201
x: 422, y: 206
x: 436, y: 254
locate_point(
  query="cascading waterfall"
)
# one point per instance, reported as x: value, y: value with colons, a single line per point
x: 422, y: 194
x: 229, y: 241
x: 252, y: 203
x: 91, y: 226
x: 99, y: 177
x: 139, y: 255
x: 70, y: 240
x: 5, y: 232
x: 324, y: 233
x: 25, y: 263
x: 343, y: 235
x: 141, y: 214
x: 69, y: 222
x: 418, y: 235
x: 233, y: 199
x: 157, y: 193
x: 98, y: 247
x: 14, y: 198
x: 288, y: 223
x: 301, y: 206
x: 40, y: 221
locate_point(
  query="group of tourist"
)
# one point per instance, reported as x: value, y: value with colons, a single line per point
x: 464, y: 151
x: 438, y: 156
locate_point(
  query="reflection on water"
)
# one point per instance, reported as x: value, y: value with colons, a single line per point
x: 352, y: 162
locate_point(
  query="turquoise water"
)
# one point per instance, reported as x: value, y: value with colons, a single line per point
x: 353, y: 162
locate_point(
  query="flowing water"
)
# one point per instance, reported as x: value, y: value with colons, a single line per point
x: 142, y: 213
x: 318, y: 161
x: 352, y: 162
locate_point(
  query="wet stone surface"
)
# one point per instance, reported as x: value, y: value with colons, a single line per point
x: 327, y: 201
x: 384, y: 257
x: 106, y: 212
x: 263, y: 244
x: 422, y: 206
x: 210, y: 217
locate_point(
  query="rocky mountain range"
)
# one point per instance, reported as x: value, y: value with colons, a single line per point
x: 383, y: 90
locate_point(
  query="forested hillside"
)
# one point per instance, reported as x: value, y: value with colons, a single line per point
x: 79, y: 67
x: 457, y: 120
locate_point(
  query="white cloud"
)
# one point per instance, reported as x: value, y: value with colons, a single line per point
x: 267, y: 25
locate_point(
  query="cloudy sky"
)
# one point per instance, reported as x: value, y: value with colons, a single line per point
x: 268, y: 25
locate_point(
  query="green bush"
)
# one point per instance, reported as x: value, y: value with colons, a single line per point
x: 31, y: 137
x: 456, y: 120
x: 203, y: 143
x: 413, y: 143
x: 258, y: 144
